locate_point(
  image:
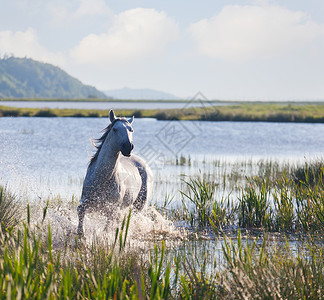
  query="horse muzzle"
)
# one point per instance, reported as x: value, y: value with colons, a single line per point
x: 126, y: 149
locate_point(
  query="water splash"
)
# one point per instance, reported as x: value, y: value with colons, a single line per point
x: 145, y: 226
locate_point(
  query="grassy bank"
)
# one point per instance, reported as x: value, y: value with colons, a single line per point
x: 257, y: 112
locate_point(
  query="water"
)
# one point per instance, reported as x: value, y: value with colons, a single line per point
x: 49, y: 156
x: 106, y: 105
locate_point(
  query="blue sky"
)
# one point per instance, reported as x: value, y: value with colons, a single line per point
x: 248, y: 50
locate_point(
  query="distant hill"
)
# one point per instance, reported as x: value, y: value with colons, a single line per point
x: 139, y: 94
x: 27, y: 78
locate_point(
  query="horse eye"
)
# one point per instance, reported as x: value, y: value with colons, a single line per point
x: 131, y: 129
x: 114, y: 129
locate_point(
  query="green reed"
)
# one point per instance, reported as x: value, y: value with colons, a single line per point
x: 256, y: 269
x: 31, y: 269
x: 310, y: 201
x: 254, y: 206
x: 276, y: 199
x: 200, y: 194
x: 9, y: 209
x: 222, y: 214
x: 264, y: 272
x: 284, y: 203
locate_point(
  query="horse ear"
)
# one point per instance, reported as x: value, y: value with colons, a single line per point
x: 131, y: 120
x: 112, y: 116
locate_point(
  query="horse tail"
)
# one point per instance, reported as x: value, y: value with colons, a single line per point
x: 143, y: 192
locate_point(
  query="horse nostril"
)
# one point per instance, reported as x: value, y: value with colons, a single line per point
x: 132, y: 146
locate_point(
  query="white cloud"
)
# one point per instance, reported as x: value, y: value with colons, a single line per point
x: 241, y: 33
x: 134, y: 35
x: 25, y: 44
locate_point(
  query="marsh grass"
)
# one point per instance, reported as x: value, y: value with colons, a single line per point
x: 200, y: 194
x: 254, y: 206
x: 32, y: 266
x: 9, y: 209
x: 273, y: 200
x: 310, y: 173
x: 264, y: 272
x: 31, y: 269
x: 223, y: 214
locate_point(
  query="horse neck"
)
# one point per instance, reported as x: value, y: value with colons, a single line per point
x: 107, y: 160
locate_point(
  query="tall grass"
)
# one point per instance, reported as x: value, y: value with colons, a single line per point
x: 274, y: 200
x: 254, y: 207
x: 271, y: 273
x: 201, y: 207
x: 200, y: 194
x: 290, y: 199
x: 256, y: 269
x: 9, y: 209
x: 31, y: 269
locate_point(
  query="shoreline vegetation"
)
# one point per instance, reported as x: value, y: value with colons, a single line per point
x: 299, y: 112
x: 251, y: 266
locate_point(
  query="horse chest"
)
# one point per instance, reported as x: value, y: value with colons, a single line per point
x: 111, y: 191
x: 102, y: 190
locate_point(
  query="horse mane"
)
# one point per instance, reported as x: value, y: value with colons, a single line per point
x: 99, y: 142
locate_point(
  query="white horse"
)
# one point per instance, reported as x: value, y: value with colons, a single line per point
x: 115, y: 177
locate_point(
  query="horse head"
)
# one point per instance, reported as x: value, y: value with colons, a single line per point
x: 122, y: 134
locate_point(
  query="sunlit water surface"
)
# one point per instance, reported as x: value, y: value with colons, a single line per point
x: 49, y: 156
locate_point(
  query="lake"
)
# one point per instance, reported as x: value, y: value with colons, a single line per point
x: 43, y: 157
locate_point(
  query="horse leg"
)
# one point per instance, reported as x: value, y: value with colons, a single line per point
x: 140, y: 200
x: 81, y: 212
